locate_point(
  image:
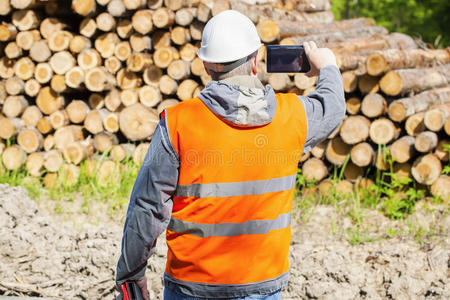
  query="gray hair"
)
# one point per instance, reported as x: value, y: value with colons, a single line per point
x: 243, y: 69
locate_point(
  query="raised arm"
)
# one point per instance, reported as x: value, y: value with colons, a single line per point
x: 150, y: 206
x: 325, y: 107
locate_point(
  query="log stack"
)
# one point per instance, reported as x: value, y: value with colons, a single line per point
x: 84, y: 77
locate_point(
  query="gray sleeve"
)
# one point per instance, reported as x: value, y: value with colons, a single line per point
x: 150, y: 205
x: 324, y: 108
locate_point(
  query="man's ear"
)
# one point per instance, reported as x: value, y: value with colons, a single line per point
x: 255, y: 66
x: 206, y: 69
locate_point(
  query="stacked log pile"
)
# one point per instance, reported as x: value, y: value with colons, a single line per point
x: 84, y: 77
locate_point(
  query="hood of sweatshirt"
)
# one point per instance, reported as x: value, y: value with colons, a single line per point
x: 241, y: 101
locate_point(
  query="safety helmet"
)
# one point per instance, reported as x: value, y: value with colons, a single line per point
x: 227, y: 37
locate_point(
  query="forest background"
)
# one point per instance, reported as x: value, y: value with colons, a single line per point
x: 428, y: 20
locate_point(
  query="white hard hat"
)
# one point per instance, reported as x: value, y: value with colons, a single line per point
x: 227, y: 37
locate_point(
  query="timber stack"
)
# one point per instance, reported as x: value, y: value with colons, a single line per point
x: 85, y: 78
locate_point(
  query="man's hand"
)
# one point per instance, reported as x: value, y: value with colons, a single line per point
x: 142, y: 284
x: 318, y: 58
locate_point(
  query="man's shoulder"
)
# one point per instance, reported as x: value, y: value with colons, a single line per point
x: 186, y: 104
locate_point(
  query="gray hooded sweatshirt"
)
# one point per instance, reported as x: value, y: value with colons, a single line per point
x: 242, y: 101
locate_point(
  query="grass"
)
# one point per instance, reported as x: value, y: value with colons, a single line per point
x: 115, y: 194
x: 392, y: 196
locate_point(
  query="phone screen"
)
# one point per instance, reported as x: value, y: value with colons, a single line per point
x: 287, y: 59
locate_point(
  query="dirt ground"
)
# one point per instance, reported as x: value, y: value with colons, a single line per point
x: 74, y: 256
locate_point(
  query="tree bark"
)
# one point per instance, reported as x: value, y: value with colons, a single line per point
x: 260, y: 12
x: 416, y: 80
x: 276, y: 29
x: 382, y: 61
x: 323, y: 39
x: 400, y: 109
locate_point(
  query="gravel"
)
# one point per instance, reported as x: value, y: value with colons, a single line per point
x: 42, y: 256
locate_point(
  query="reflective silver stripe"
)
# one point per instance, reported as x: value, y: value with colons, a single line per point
x: 230, y: 229
x: 230, y: 189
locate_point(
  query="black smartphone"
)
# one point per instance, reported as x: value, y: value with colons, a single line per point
x: 287, y: 59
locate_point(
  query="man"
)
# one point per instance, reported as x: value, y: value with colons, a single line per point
x: 220, y: 173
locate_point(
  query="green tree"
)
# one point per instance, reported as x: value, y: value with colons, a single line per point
x: 428, y: 20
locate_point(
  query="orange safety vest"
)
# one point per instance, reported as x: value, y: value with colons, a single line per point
x: 231, y: 213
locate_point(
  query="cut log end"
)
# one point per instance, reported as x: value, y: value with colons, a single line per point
x: 426, y: 169
x: 391, y: 83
